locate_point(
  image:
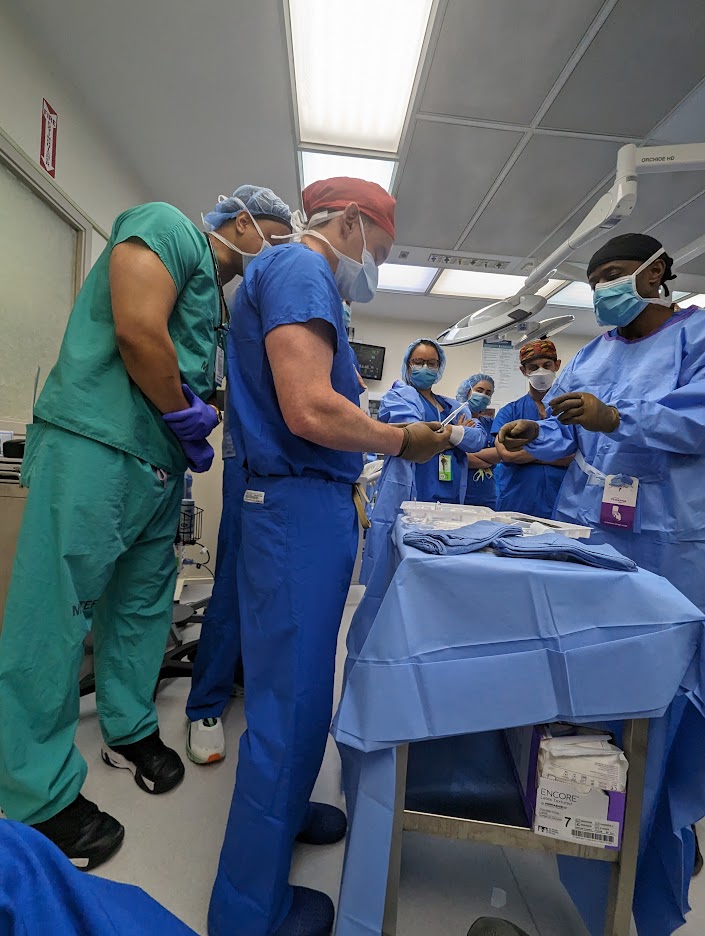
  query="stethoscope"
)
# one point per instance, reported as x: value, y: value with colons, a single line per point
x: 224, y: 311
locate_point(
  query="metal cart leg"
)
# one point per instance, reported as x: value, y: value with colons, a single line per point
x: 389, y: 925
x: 621, y: 894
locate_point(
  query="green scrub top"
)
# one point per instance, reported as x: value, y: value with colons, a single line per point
x: 89, y: 391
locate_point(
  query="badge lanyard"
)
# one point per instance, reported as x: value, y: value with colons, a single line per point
x: 222, y: 329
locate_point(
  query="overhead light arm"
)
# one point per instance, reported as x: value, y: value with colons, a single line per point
x: 612, y: 208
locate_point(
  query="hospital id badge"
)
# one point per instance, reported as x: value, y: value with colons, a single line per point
x: 619, y: 502
x: 445, y: 468
x: 219, y: 366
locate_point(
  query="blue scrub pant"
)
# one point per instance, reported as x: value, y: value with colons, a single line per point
x: 294, y: 569
x: 41, y: 892
x: 219, y: 652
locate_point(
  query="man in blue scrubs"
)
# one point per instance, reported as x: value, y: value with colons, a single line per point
x: 299, y: 433
x: 524, y: 483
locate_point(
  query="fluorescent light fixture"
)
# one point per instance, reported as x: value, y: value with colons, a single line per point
x: 471, y: 284
x: 354, y: 66
x: 551, y: 287
x: 677, y: 296
x: 698, y: 300
x: 398, y: 277
x: 574, y: 296
x: 318, y: 166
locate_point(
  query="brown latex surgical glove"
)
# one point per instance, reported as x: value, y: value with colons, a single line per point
x: 515, y: 435
x: 423, y: 441
x: 584, y: 409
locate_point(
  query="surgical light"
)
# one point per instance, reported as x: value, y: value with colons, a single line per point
x: 355, y: 66
x: 316, y: 166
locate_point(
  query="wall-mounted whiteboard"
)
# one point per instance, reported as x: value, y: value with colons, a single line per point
x: 37, y: 289
x: 501, y: 361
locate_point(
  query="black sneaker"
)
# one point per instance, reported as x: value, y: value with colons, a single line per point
x: 87, y: 836
x: 489, y: 926
x: 155, y: 767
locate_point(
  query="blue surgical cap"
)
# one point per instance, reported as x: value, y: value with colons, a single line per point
x: 259, y: 201
x: 407, y: 355
x: 466, y: 386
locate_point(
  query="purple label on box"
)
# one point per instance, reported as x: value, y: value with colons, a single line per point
x: 617, y: 515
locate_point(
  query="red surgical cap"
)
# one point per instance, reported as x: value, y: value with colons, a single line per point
x: 336, y: 194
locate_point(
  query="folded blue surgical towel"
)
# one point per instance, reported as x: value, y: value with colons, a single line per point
x: 466, y: 539
x: 557, y: 546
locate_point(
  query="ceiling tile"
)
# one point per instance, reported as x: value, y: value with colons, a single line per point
x: 482, y: 52
x: 696, y: 266
x: 446, y: 175
x: 551, y: 175
x: 685, y: 124
x: 641, y: 64
x: 684, y: 227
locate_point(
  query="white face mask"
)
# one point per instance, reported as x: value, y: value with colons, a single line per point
x: 542, y: 379
x: 246, y: 257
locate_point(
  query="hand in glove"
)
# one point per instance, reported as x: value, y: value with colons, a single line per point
x: 584, y: 409
x: 515, y: 435
x: 199, y: 455
x: 424, y: 440
x: 196, y: 422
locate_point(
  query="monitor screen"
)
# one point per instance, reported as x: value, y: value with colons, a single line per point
x: 370, y: 359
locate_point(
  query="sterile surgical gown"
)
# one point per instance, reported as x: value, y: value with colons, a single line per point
x: 658, y: 385
x: 298, y: 547
x: 105, y: 478
x: 402, y: 481
x: 532, y: 488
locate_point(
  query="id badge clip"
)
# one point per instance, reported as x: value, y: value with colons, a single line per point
x: 219, y: 366
x: 619, y: 502
x: 445, y: 468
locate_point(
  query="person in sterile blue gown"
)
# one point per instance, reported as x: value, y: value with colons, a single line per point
x: 443, y: 479
x: 631, y: 407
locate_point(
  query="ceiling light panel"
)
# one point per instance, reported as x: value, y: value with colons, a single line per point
x: 397, y: 277
x: 359, y: 96
x: 317, y: 166
x: 698, y: 300
x: 471, y: 284
x: 574, y: 296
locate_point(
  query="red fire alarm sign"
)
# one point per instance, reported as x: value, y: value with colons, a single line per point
x: 47, y: 147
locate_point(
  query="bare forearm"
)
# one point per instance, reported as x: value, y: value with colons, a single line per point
x: 328, y: 419
x: 489, y: 455
x: 150, y: 360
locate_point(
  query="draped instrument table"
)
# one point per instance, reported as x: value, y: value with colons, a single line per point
x: 452, y: 646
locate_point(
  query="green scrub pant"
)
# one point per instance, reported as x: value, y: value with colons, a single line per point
x: 95, y: 548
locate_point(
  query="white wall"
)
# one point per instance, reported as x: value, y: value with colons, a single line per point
x: 396, y: 336
x: 87, y: 168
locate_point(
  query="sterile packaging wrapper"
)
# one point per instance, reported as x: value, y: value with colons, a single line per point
x: 573, y: 782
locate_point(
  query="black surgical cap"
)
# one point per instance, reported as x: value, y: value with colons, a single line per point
x: 631, y: 247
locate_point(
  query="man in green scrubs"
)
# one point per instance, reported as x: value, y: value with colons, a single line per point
x: 123, y: 412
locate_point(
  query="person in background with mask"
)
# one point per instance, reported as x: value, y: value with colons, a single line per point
x: 444, y: 479
x: 631, y: 407
x: 299, y: 433
x: 218, y: 663
x: 525, y: 483
x: 477, y: 392
x: 122, y: 414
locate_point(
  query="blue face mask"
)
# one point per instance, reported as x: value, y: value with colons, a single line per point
x: 477, y: 402
x: 618, y: 302
x: 423, y: 378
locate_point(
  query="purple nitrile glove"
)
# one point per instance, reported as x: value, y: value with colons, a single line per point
x: 196, y: 422
x: 199, y: 455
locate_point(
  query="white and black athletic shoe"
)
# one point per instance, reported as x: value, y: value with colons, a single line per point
x: 155, y: 767
x: 489, y: 926
x: 87, y: 836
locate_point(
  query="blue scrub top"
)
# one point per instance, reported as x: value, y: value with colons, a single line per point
x: 483, y: 491
x: 530, y: 489
x: 428, y: 485
x: 284, y: 285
